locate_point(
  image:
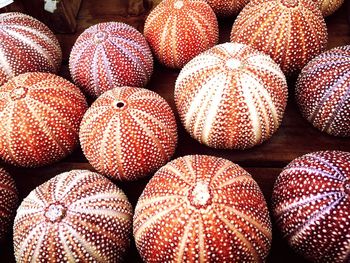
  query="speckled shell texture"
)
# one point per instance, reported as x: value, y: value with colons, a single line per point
x: 202, y: 209
x: 311, y: 204
x: 26, y: 45
x: 328, y: 7
x: 292, y: 32
x: 322, y: 91
x: 77, y: 216
x: 8, y: 202
x: 109, y: 55
x: 226, y: 8
x: 40, y: 114
x: 178, y: 30
x: 128, y: 132
x: 231, y: 96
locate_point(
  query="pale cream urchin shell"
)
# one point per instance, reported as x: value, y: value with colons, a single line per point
x: 231, y: 96
x: 77, y: 216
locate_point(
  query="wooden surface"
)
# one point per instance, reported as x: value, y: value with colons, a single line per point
x: 294, y: 138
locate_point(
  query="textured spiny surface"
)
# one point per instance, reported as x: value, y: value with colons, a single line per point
x: 8, y: 202
x: 231, y: 96
x: 40, y: 114
x: 226, y: 8
x: 128, y: 132
x: 292, y: 32
x: 178, y: 30
x: 77, y: 216
x: 311, y: 204
x: 202, y: 209
x: 109, y: 55
x: 328, y: 7
x: 26, y: 45
x: 323, y: 91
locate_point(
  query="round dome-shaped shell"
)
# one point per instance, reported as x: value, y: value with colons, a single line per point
x: 292, y: 32
x: 178, y: 30
x: 109, y: 55
x: 128, y: 132
x: 202, y: 209
x: 26, y: 45
x: 322, y: 91
x: 77, y: 216
x: 8, y: 202
x: 226, y: 8
x: 328, y: 7
x: 40, y: 114
x: 311, y: 205
x: 231, y: 96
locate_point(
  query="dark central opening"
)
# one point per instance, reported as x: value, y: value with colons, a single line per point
x: 120, y: 104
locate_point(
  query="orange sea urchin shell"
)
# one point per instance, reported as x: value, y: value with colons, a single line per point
x: 292, y: 32
x: 202, y: 209
x: 40, y: 114
x: 128, y: 133
x: 178, y: 30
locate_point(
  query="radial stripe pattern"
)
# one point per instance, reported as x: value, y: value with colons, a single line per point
x: 40, y: 114
x: 292, y: 32
x: 311, y: 204
x: 323, y: 91
x: 231, y: 96
x: 26, y: 45
x: 8, y: 202
x: 89, y: 223
x: 202, y: 209
x: 128, y: 133
x: 109, y: 55
x: 178, y: 30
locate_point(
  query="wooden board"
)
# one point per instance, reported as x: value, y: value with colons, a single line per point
x: 294, y: 138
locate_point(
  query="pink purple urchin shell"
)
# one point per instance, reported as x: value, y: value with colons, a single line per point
x: 40, y: 114
x: 292, y: 32
x: 109, y: 55
x: 128, y: 132
x: 178, y: 30
x: 26, y: 45
x: 311, y: 204
x: 231, y: 96
x: 226, y: 8
x: 202, y: 209
x: 77, y: 216
x: 8, y: 202
x: 323, y: 91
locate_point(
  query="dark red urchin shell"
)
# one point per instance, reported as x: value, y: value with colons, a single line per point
x: 8, y: 202
x: 128, y: 132
x: 109, y: 55
x: 26, y: 45
x: 40, y: 114
x: 311, y: 205
x: 323, y: 91
x: 202, y: 209
x: 178, y: 30
x: 77, y: 216
x: 292, y: 32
